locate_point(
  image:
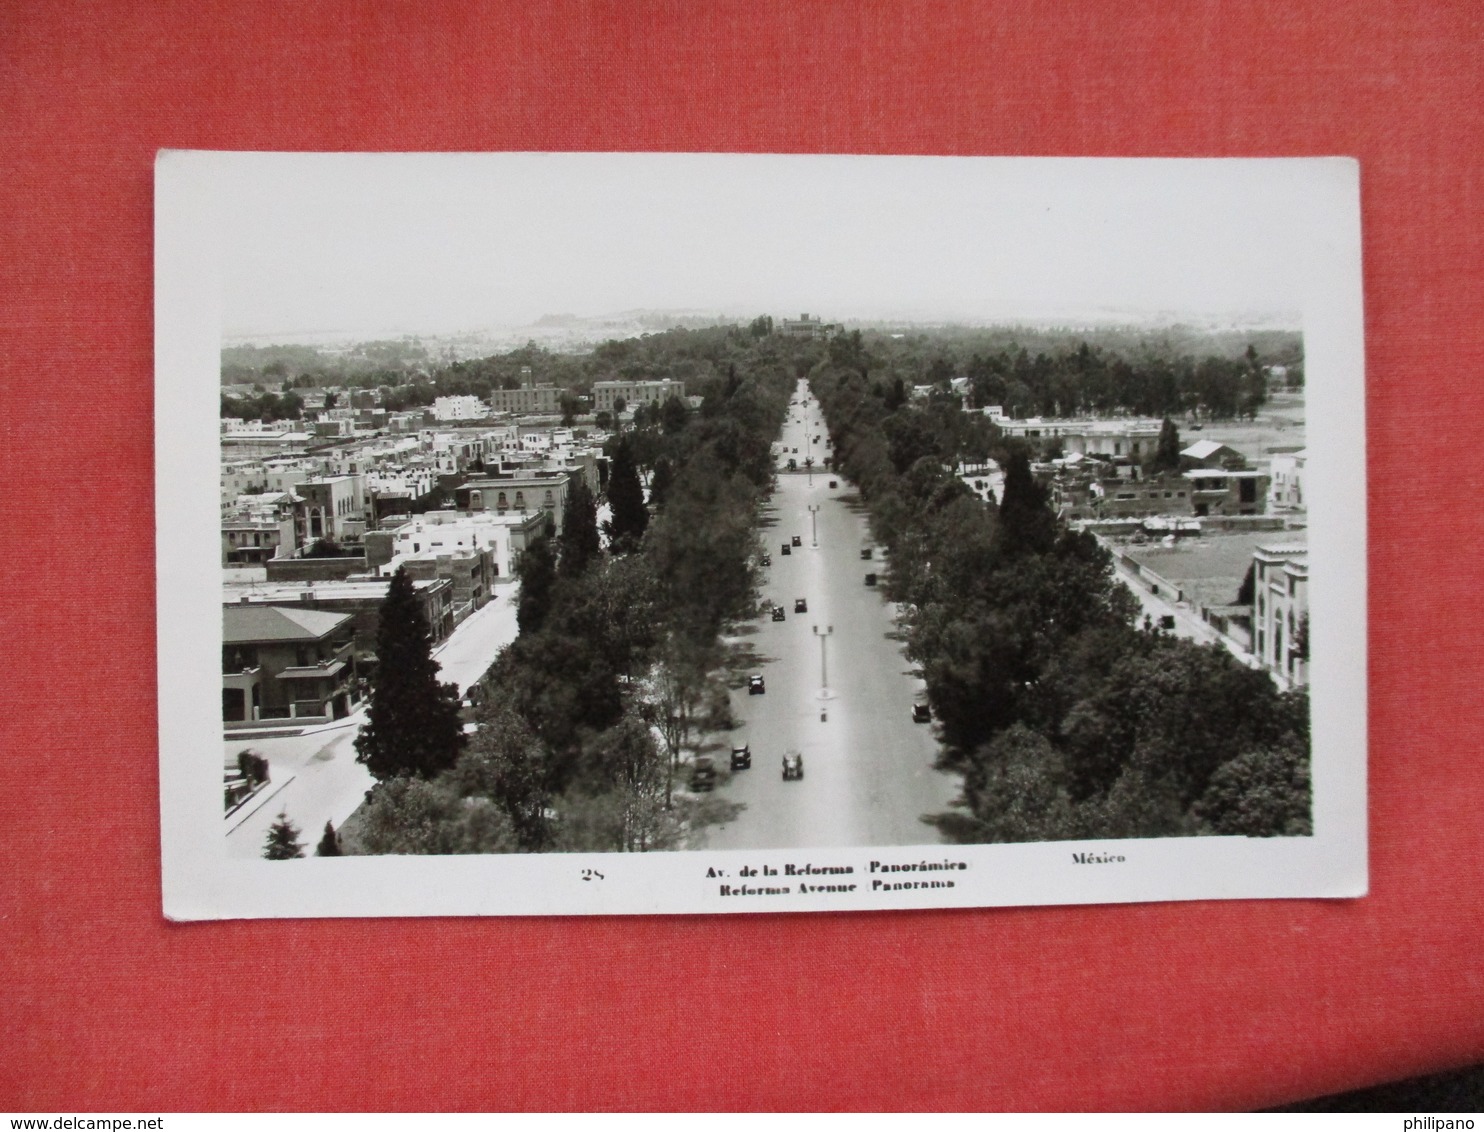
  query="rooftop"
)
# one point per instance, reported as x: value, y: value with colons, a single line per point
x: 259, y: 624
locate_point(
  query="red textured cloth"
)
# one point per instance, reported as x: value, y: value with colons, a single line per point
x: 106, y: 1006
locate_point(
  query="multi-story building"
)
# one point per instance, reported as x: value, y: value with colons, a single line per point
x: 258, y: 528
x: 464, y: 408
x: 530, y: 399
x: 634, y: 393
x: 1134, y: 438
x: 523, y: 493
x: 806, y: 326
x: 334, y: 508
x: 1287, y: 471
x: 359, y: 598
x: 1227, y: 491
x: 286, y: 663
x: 1280, y: 611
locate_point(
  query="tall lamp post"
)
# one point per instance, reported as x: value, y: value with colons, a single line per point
x: 814, y: 525
x: 824, y: 671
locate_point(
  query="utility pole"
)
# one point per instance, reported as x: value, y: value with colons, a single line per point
x: 824, y: 671
x: 814, y: 525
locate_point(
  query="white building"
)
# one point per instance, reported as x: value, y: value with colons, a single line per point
x: 465, y: 408
x: 1287, y: 488
x: 634, y: 393
x: 1280, y: 611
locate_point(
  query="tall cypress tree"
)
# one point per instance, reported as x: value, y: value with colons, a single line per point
x: 1167, y: 454
x: 579, y: 531
x: 626, y: 498
x: 412, y: 726
x: 1027, y: 525
x: 537, y: 572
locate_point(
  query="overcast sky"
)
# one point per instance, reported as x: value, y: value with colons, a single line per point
x: 375, y: 244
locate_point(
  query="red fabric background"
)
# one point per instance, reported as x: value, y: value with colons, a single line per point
x: 106, y: 1006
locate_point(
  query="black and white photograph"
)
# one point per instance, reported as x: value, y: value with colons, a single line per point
x: 635, y: 533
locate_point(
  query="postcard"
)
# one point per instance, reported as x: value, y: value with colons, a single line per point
x: 576, y: 533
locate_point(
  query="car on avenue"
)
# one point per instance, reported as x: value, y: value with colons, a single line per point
x: 702, y: 773
x: 870, y: 579
x: 778, y: 614
x: 866, y: 553
x: 742, y: 757
x: 796, y: 541
x: 800, y: 605
x: 921, y: 713
x: 793, y: 765
x: 783, y: 549
x: 766, y: 560
x: 755, y: 686
x: 834, y: 483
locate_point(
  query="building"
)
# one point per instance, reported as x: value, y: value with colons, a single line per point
x: 1227, y: 491
x: 334, y: 508
x: 634, y: 393
x: 519, y: 493
x: 806, y: 326
x: 1280, y: 611
x: 1133, y: 437
x: 1212, y: 454
x: 530, y: 400
x: 464, y: 408
x: 286, y: 663
x: 1287, y: 489
x: 259, y: 528
x: 359, y: 598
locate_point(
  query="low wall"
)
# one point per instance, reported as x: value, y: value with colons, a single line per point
x: 315, y: 569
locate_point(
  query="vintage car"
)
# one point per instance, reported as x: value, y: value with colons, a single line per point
x: 793, y: 765
x: 702, y: 773
x: 834, y: 483
x: 866, y: 553
x: 921, y: 713
x: 778, y: 614
x: 755, y: 686
x: 796, y: 541
x: 870, y: 579
x: 742, y: 757
x: 783, y: 549
x: 766, y: 560
x: 800, y: 605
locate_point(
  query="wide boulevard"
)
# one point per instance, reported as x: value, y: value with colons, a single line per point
x: 846, y: 705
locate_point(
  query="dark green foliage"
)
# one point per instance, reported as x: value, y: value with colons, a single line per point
x: 1260, y: 793
x: 537, y: 572
x: 660, y: 481
x: 412, y: 816
x: 283, y: 840
x: 412, y: 724
x: 673, y: 415
x: 1067, y: 722
x: 1027, y: 525
x: 329, y: 843
x: 626, y: 500
x: 1167, y: 453
x: 580, y: 545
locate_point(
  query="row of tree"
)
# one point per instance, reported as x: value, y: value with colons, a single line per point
x: 1066, y: 719
x: 588, y: 713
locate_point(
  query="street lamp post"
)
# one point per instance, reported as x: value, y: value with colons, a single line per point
x: 814, y: 525
x: 824, y: 671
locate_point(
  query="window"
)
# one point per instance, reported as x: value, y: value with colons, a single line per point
x: 520, y: 501
x: 549, y: 499
x: 501, y: 503
x: 476, y: 501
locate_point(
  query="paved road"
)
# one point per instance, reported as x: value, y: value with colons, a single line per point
x: 316, y: 776
x: 868, y: 769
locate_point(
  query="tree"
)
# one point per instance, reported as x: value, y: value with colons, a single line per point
x: 660, y: 481
x: 626, y: 498
x: 537, y: 572
x: 412, y: 725
x: 1026, y: 521
x: 673, y: 415
x: 1260, y: 793
x: 409, y: 815
x: 329, y: 843
x: 571, y: 405
x: 1167, y: 454
x: 580, y: 544
x: 283, y: 840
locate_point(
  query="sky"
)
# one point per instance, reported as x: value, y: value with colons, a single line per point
x: 388, y: 244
